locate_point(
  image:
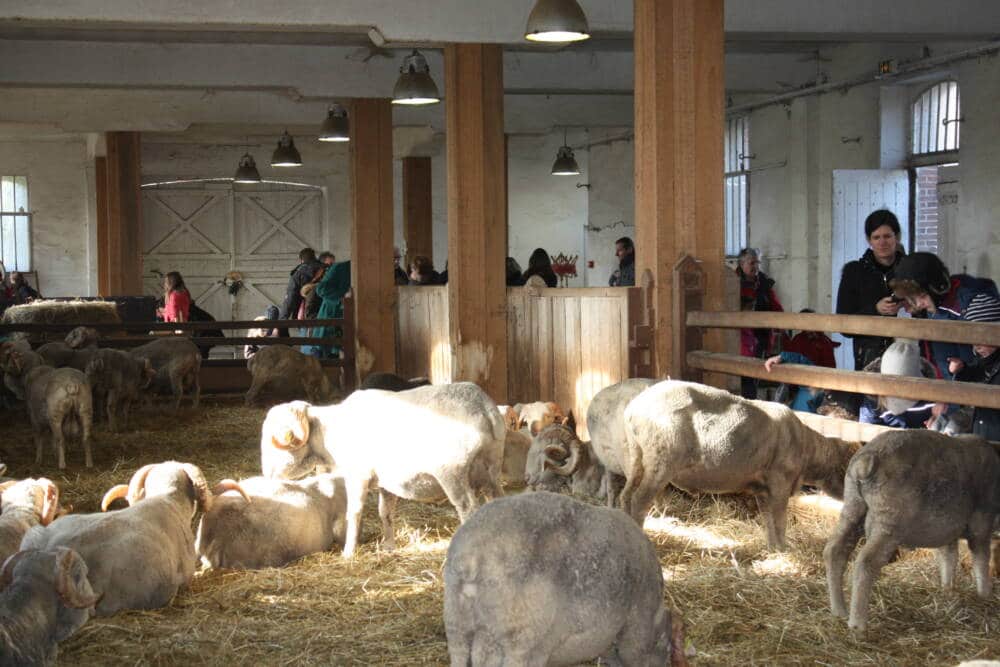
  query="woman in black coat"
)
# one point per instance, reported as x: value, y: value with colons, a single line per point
x: 864, y: 283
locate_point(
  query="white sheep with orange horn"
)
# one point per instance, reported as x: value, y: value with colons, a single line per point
x: 141, y: 555
x: 26, y: 503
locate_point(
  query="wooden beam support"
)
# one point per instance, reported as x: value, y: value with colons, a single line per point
x: 372, y: 235
x: 477, y: 205
x: 418, y: 219
x: 120, y: 242
x: 679, y: 99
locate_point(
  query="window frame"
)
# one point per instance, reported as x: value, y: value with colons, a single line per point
x: 924, y: 101
x: 18, y: 214
x: 736, y: 178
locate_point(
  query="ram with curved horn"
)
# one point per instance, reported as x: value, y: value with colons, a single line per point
x: 141, y: 555
x: 558, y: 460
x: 25, y: 503
x: 52, y: 589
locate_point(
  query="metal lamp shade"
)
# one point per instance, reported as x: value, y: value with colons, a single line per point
x: 286, y: 154
x: 557, y: 21
x: 336, y: 127
x: 415, y: 85
x: 565, y: 164
x: 247, y: 171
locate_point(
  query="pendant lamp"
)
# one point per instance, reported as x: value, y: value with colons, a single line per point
x: 557, y: 21
x: 565, y: 164
x: 247, y: 171
x: 336, y: 127
x: 286, y: 154
x: 415, y: 86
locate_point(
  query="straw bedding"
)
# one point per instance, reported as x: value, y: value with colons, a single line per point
x: 741, y: 605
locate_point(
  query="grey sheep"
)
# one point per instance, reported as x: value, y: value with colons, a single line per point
x: 75, y: 352
x: 701, y: 438
x: 424, y: 444
x: 45, y: 597
x: 271, y: 522
x: 392, y: 382
x: 917, y: 489
x: 14, y: 357
x: 117, y: 380
x: 141, y: 555
x: 558, y: 459
x: 286, y: 371
x: 177, y: 362
x: 26, y: 503
x: 543, y: 579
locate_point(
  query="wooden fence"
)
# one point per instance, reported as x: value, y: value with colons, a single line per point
x: 423, y: 347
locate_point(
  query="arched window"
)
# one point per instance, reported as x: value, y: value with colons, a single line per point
x: 937, y: 116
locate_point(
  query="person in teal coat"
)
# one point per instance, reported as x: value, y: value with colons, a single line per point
x: 331, y: 289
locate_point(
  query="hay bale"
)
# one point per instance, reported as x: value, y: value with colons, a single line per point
x: 50, y: 311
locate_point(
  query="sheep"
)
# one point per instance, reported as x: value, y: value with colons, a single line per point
x: 918, y: 489
x: 543, y: 579
x: 141, y: 555
x: 274, y: 523
x: 117, y: 380
x: 26, y: 503
x: 14, y: 355
x: 75, y: 352
x: 177, y: 362
x: 286, y: 371
x: 536, y: 416
x: 423, y: 444
x: 392, y: 382
x: 606, y: 424
x: 558, y: 459
x: 45, y: 597
x: 700, y: 438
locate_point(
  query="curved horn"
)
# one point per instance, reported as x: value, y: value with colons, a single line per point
x: 66, y: 586
x: 51, y: 503
x: 137, y: 485
x: 295, y: 435
x: 201, y: 490
x: 7, y: 573
x: 230, y: 485
x: 113, y: 494
x: 572, y: 462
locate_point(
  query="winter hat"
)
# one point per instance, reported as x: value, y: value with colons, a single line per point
x: 921, y: 273
x: 983, y: 308
x: 901, y: 358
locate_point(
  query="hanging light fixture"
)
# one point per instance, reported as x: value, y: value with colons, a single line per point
x: 247, y: 171
x: 336, y: 127
x: 557, y: 21
x: 565, y: 164
x: 286, y: 154
x: 415, y: 85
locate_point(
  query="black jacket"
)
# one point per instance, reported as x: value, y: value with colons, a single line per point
x: 299, y: 276
x: 863, y: 283
x: 624, y: 276
x: 985, y: 421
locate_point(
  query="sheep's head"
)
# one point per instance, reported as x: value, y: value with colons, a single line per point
x: 164, y: 479
x: 82, y: 337
x: 536, y: 416
x: 39, y: 495
x: 65, y: 572
x: 284, y: 438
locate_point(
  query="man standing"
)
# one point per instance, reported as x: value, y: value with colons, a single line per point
x: 299, y: 276
x: 400, y: 275
x: 624, y: 275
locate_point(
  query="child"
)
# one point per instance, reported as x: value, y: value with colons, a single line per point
x: 985, y: 368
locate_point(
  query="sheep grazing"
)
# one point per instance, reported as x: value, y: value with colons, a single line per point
x: 558, y: 459
x: 141, y: 555
x: 177, y: 362
x: 284, y: 371
x: 700, y: 438
x: 424, y: 444
x: 117, y: 380
x: 75, y: 352
x: 915, y: 489
x: 543, y: 579
x: 45, y: 597
x: 536, y: 416
x: 392, y: 382
x: 270, y: 522
x: 25, y: 504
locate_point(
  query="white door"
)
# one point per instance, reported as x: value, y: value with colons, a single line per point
x: 856, y: 193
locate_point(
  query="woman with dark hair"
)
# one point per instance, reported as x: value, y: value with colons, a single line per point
x: 539, y: 264
x: 514, y: 278
x: 422, y: 271
x: 864, y: 283
x: 176, y: 299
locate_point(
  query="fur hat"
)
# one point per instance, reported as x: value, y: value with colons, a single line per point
x: 921, y: 273
x: 983, y: 308
x: 901, y: 358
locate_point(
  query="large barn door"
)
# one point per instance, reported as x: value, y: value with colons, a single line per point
x: 856, y: 193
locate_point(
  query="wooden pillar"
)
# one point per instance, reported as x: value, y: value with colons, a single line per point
x: 371, y: 235
x: 679, y: 99
x: 477, y: 204
x: 119, y: 216
x: 418, y: 220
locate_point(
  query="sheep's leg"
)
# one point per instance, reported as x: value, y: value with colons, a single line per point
x: 254, y: 391
x: 356, y: 490
x: 196, y: 387
x: 947, y: 558
x: 774, y: 505
x: 177, y: 387
x: 840, y: 546
x: 461, y: 496
x: 112, y: 408
x: 126, y: 406
x: 613, y: 486
x: 642, y: 498
x: 979, y: 537
x: 39, y: 446
x: 86, y: 424
x: 386, y: 509
x: 59, y: 441
x: 874, y: 555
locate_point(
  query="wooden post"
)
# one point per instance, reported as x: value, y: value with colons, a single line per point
x: 418, y: 221
x: 477, y: 203
x: 679, y: 209
x: 371, y: 235
x: 119, y: 216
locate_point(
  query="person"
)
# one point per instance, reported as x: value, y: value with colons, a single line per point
x: 985, y: 368
x: 901, y: 358
x: 400, y: 275
x: 176, y: 299
x: 514, y: 278
x: 326, y: 258
x: 624, y: 275
x: 270, y: 313
x: 815, y: 345
x: 539, y: 264
x: 864, y: 283
x: 331, y: 289
x: 422, y: 272
x: 304, y: 273
x: 20, y: 290
x: 197, y: 314
x: 756, y: 293
x: 806, y: 399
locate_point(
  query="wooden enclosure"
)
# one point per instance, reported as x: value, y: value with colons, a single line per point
x: 423, y: 348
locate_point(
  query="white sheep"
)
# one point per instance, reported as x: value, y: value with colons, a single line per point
x: 271, y: 522
x: 141, y: 555
x: 45, y: 597
x: 423, y: 444
x: 177, y: 362
x: 606, y: 425
x: 285, y: 371
x: 26, y: 503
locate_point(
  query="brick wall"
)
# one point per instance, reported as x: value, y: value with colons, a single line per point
x: 927, y: 210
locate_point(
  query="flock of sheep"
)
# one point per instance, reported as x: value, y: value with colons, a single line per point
x: 536, y: 578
